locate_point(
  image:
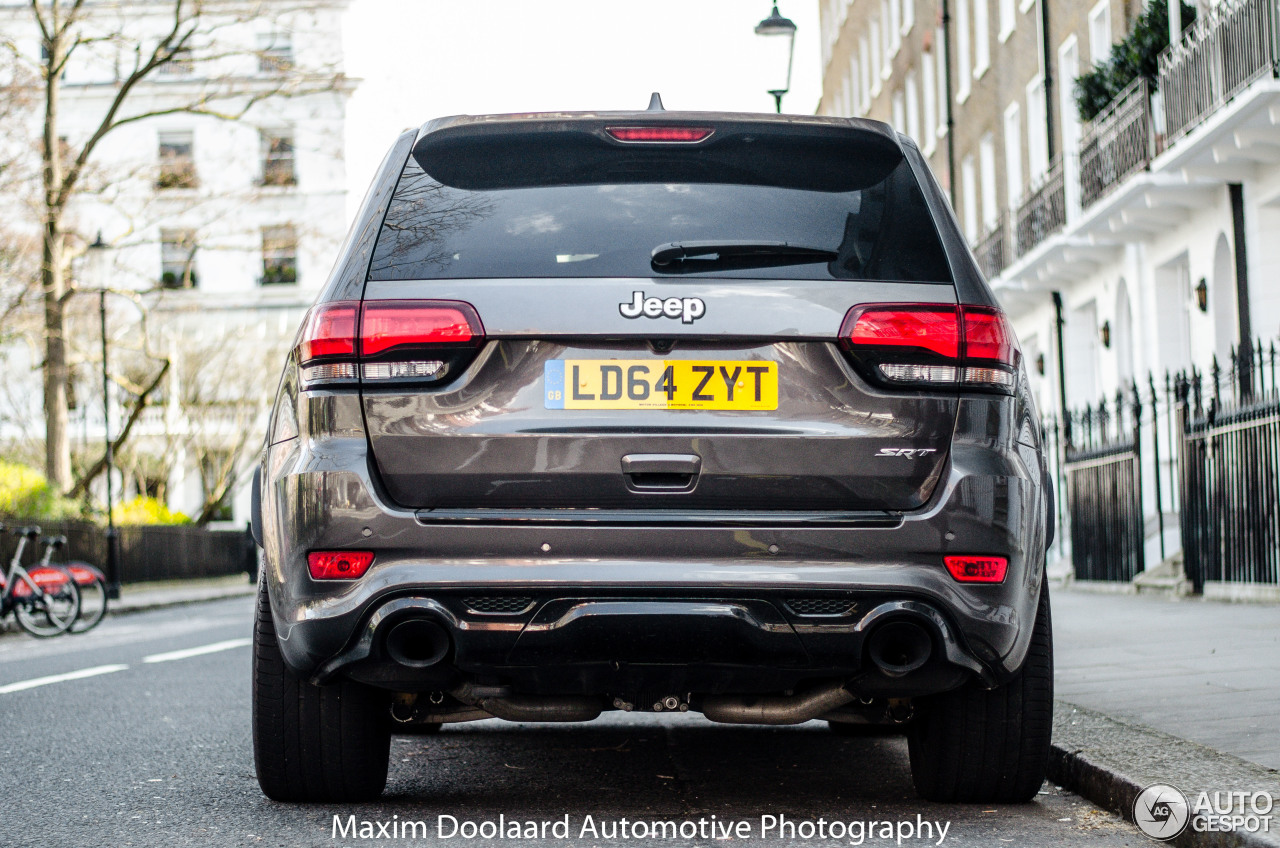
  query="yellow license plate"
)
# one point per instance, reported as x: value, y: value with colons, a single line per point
x: 660, y: 384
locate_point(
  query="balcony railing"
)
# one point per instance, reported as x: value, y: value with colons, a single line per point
x: 1118, y: 142
x: 1228, y: 47
x: 992, y: 251
x: 1042, y: 211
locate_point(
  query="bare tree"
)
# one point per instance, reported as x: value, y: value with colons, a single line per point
x: 188, y: 39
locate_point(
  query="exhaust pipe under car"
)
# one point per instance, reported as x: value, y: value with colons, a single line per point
x: 899, y: 647
x: 417, y: 643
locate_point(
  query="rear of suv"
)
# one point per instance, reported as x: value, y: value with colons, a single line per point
x: 653, y: 411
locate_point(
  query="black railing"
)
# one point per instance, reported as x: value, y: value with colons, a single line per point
x: 992, y: 250
x: 153, y: 552
x: 1103, y: 470
x: 1230, y: 477
x: 1229, y: 46
x: 1117, y: 143
x: 1042, y: 212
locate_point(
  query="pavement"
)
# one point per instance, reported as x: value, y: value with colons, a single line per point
x: 1150, y: 691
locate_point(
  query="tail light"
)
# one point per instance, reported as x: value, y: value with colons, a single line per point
x: 387, y: 341
x: 933, y: 344
x: 666, y: 135
x: 977, y: 569
x: 338, y: 565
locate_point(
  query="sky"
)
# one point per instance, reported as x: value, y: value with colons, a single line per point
x: 422, y: 59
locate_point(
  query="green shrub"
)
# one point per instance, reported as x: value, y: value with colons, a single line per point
x: 1137, y: 56
x: 25, y: 493
x: 144, y: 510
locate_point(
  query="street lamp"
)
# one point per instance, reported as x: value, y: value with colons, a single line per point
x: 780, y: 36
x: 97, y: 251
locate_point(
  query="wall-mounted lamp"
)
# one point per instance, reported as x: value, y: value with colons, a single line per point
x: 1202, y: 295
x: 1105, y: 332
x: 1040, y: 364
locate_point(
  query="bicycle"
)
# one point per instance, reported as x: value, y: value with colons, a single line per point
x: 91, y: 582
x: 45, y: 604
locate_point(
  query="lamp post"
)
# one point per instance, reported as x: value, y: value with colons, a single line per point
x: 780, y: 34
x: 97, y: 250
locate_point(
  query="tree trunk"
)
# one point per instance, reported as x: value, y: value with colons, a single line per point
x: 53, y: 284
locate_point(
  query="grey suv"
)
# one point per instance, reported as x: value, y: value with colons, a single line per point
x: 653, y: 411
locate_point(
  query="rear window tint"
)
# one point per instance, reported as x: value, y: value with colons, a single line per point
x: 605, y: 220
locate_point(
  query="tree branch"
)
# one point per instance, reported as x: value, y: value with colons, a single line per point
x: 134, y: 414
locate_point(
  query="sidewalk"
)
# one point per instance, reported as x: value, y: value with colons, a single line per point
x: 1152, y: 690
x: 138, y: 597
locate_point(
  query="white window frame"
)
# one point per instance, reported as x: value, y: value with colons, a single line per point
x: 911, y: 90
x: 908, y: 15
x: 1008, y: 19
x: 981, y: 37
x: 877, y: 56
x: 987, y: 181
x: 1037, y: 132
x: 1099, y: 40
x: 1014, y: 185
x: 941, y: 65
x: 895, y: 26
x: 864, y: 63
x: 969, y: 198
x: 899, y: 112
x: 928, y: 76
x: 963, y: 55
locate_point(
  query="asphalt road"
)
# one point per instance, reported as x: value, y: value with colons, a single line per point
x: 153, y: 749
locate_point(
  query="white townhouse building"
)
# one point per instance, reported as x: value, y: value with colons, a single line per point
x: 224, y: 228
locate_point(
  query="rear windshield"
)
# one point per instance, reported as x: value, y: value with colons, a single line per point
x: 516, y: 212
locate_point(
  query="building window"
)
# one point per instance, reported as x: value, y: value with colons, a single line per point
x: 877, y: 56
x: 941, y: 64
x: 1013, y: 154
x: 1100, y: 33
x: 981, y: 37
x: 987, y: 178
x: 927, y: 71
x: 855, y: 87
x: 181, y: 64
x: 864, y: 62
x: 1037, y: 131
x: 964, y: 63
x: 969, y: 198
x: 275, y: 53
x: 899, y: 112
x: 279, y: 255
x: 1008, y: 19
x: 177, y: 161
x: 895, y: 26
x: 178, y: 259
x: 908, y: 15
x: 277, y: 160
x: 913, y: 106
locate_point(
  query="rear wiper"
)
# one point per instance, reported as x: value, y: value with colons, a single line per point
x: 686, y: 256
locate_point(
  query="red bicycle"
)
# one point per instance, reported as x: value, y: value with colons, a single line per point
x: 46, y: 600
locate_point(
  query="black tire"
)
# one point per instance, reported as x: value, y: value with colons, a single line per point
x: 93, y: 605
x: 975, y: 745
x: 314, y: 743
x: 47, y: 612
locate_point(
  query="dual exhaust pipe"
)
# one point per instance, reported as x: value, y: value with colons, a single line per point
x: 896, y: 648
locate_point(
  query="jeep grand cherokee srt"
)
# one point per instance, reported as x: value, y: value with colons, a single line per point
x: 653, y: 411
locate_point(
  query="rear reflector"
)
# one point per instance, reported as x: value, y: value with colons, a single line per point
x: 685, y: 135
x: 933, y: 344
x: 410, y: 340
x: 338, y: 565
x: 977, y: 569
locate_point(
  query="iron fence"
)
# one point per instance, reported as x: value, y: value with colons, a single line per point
x: 992, y: 251
x: 1043, y: 211
x: 150, y: 552
x: 1229, y: 46
x: 1118, y: 142
x: 1230, y: 467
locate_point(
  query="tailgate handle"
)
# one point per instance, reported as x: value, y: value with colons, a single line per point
x: 661, y: 472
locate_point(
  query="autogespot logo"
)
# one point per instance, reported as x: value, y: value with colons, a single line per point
x: 1161, y: 811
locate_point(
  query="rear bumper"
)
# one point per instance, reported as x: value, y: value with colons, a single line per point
x: 702, y: 603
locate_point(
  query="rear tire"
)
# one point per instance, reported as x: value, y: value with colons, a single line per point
x: 989, y: 746
x: 314, y: 743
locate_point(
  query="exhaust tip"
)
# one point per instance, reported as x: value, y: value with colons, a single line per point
x: 417, y: 643
x: 899, y: 647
